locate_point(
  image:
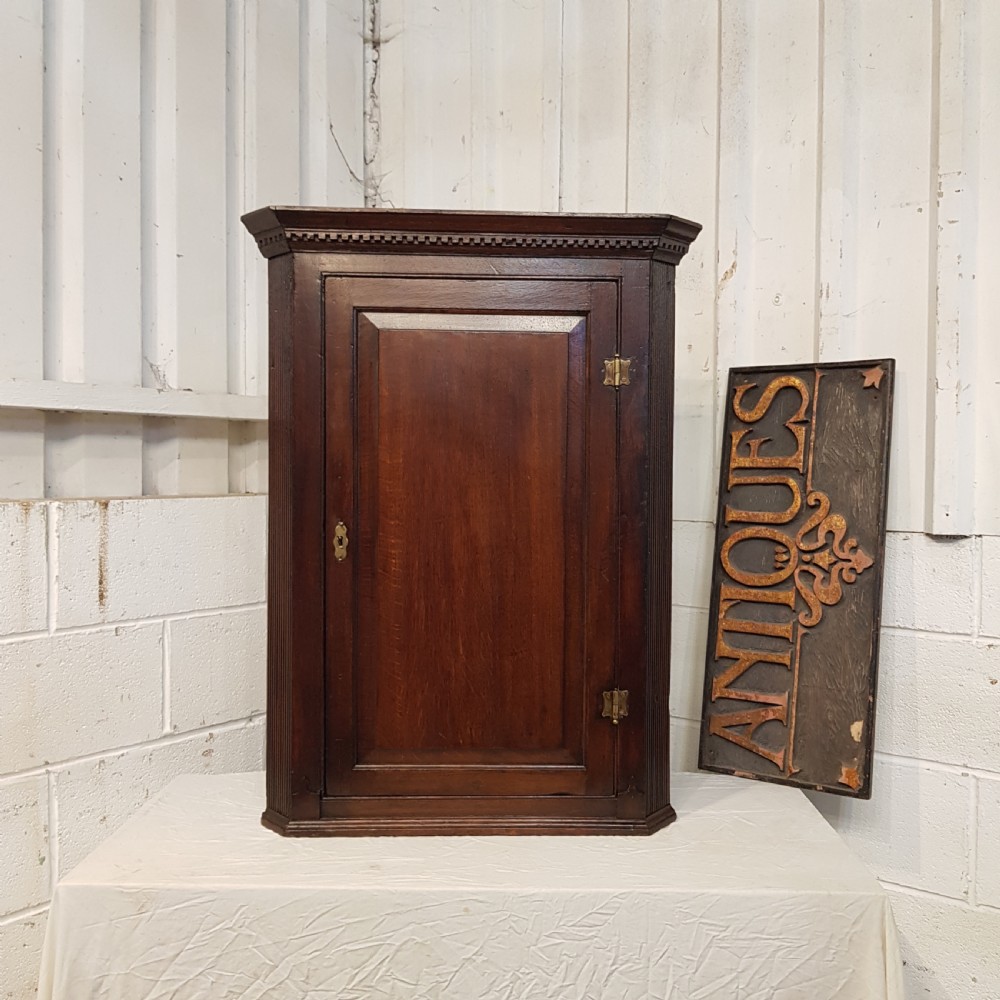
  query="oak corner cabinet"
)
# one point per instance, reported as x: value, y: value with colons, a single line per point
x: 469, y: 533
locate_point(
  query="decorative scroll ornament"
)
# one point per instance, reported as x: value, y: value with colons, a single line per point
x: 828, y: 559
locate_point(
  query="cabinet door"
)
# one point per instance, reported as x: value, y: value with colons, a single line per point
x: 471, y: 536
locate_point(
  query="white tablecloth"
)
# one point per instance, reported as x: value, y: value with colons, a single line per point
x: 749, y: 895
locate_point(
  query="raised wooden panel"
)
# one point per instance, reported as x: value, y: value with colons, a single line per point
x: 470, y: 588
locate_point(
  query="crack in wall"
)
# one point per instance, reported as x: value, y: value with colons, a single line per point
x: 372, y: 112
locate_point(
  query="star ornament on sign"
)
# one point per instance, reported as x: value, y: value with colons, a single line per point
x: 873, y: 377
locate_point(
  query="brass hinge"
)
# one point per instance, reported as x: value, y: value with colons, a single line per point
x: 616, y: 371
x: 615, y: 705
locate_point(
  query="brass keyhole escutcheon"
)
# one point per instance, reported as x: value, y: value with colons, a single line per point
x: 340, y: 541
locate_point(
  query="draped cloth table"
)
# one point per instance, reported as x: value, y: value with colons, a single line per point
x: 749, y: 895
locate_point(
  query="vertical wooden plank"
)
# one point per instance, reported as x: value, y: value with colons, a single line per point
x: 21, y: 174
x: 272, y: 98
x: 951, y: 425
x: 983, y: 163
x: 876, y: 224
x: 768, y: 183
x: 313, y: 18
x: 331, y: 121
x: 92, y: 229
x: 63, y: 185
x: 109, y: 350
x: 239, y: 250
x: 244, y: 451
x: 184, y: 146
x: 21, y: 55
x: 268, y: 92
x: 965, y: 393
x: 673, y: 158
x: 199, y: 134
x: 425, y: 105
x: 160, y: 239
x: 516, y: 69
x: 594, y: 159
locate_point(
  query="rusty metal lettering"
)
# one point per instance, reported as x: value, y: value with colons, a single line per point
x: 754, y: 414
x: 745, y: 659
x: 724, y: 726
x: 795, y: 535
x: 785, y: 558
x: 728, y: 596
x: 796, y: 424
x: 765, y: 516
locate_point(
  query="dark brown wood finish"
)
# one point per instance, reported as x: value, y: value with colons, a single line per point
x: 792, y: 654
x: 438, y: 398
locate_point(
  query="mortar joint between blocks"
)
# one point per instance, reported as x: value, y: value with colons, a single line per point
x: 977, y: 586
x: 165, y: 675
x: 53, y: 831
x: 973, y: 858
x: 27, y: 914
x: 51, y: 566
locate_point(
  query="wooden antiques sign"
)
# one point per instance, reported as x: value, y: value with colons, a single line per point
x: 797, y: 580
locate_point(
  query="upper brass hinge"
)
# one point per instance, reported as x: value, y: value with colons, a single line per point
x: 616, y: 371
x: 615, y: 705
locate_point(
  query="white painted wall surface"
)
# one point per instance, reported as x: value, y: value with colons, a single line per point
x: 842, y: 156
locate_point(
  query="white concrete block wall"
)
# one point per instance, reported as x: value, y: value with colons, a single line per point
x: 131, y: 650
x: 20, y: 955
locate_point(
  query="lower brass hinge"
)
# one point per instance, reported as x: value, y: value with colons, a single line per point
x: 615, y: 705
x: 616, y: 371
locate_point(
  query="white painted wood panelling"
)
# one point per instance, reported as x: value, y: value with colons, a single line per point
x: 980, y: 320
x: 332, y: 139
x: 877, y: 266
x: 963, y: 444
x: 22, y: 439
x: 515, y: 104
x: 272, y: 72
x: 595, y: 119
x: 769, y: 96
x: 808, y: 139
x: 92, y: 272
x: 184, y: 240
x: 135, y: 134
x: 667, y: 160
x: 471, y: 91
x: 425, y: 71
x: 842, y: 158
